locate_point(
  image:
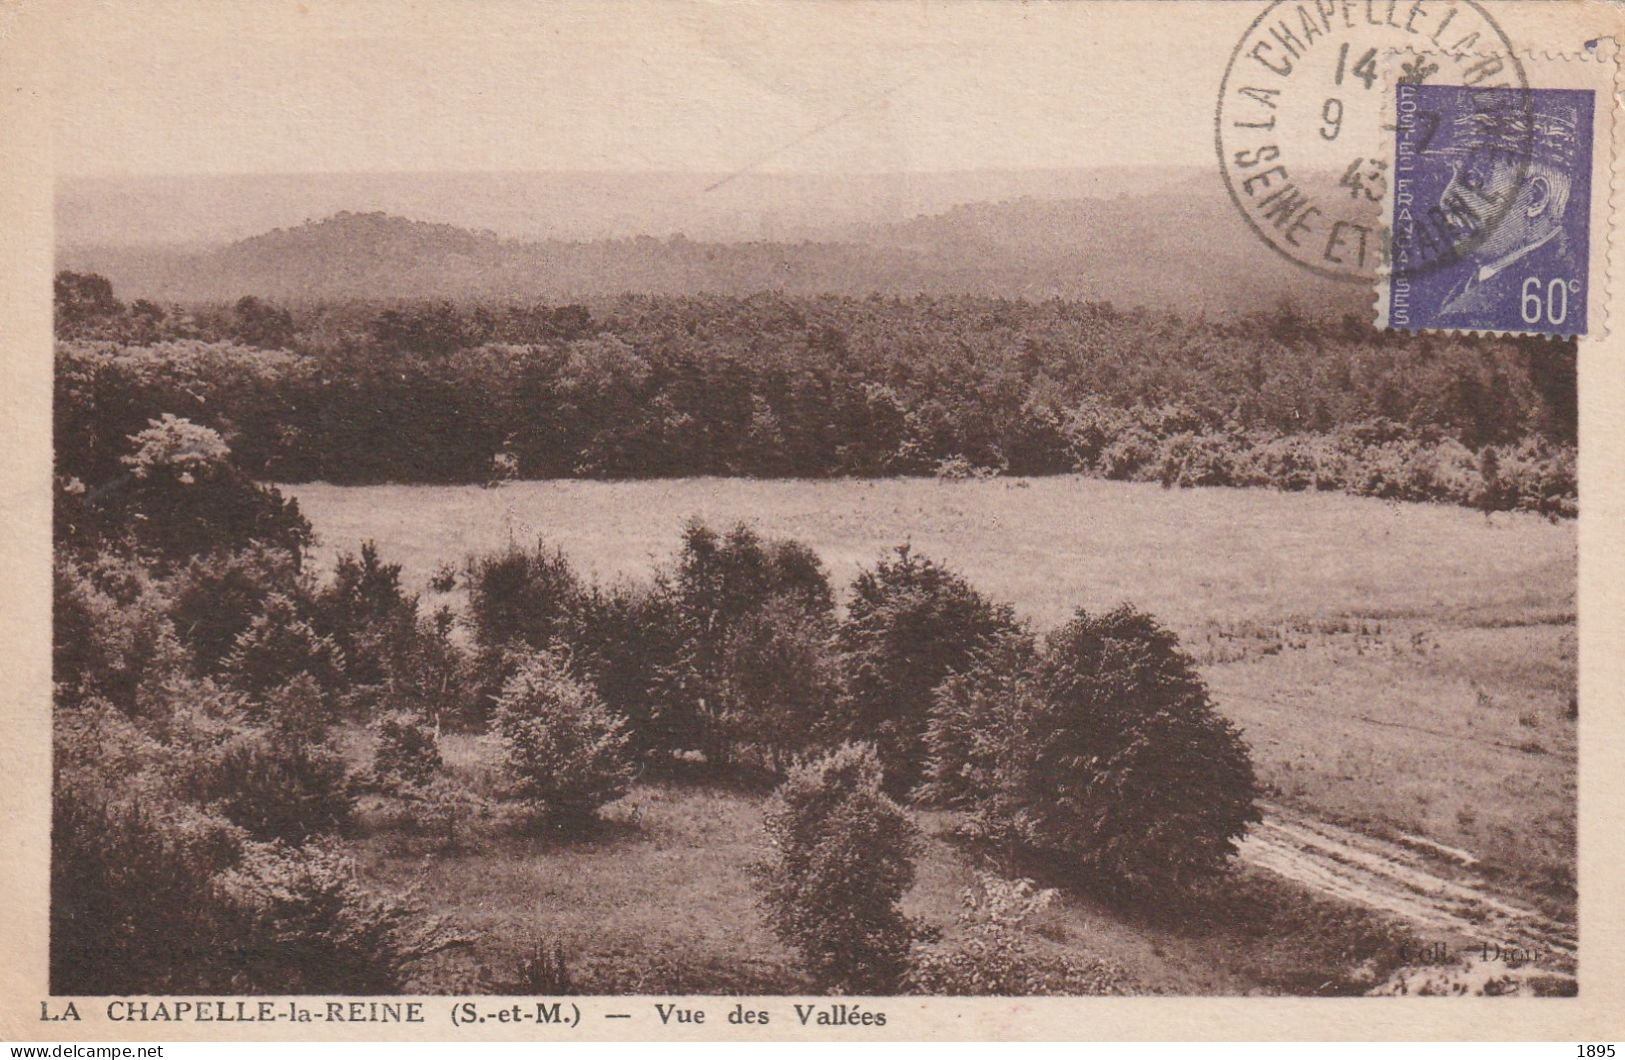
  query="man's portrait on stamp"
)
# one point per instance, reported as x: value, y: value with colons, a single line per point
x: 1492, y: 208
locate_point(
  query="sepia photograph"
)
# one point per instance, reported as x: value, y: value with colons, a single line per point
x: 838, y: 501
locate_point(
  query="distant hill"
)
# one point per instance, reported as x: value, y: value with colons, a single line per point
x: 210, y: 210
x: 1182, y: 248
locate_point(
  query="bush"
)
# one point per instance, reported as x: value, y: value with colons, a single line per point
x: 1205, y: 459
x: 154, y: 894
x: 910, y: 624
x: 720, y: 580
x: 973, y: 715
x: 627, y: 638
x: 441, y: 807
x: 279, y: 645
x: 359, y: 608
x: 297, y: 712
x: 273, y: 786
x: 304, y: 926
x: 133, y: 904
x: 191, y: 499
x: 1283, y: 462
x: 781, y: 683
x: 406, y: 751
x: 520, y: 596
x: 111, y: 636
x: 426, y: 673
x: 1537, y: 476
x: 719, y: 583
x: 840, y: 858
x: 1129, y: 455
x: 957, y: 468
x: 217, y: 595
x: 1121, y: 770
x: 566, y: 754
x: 997, y: 958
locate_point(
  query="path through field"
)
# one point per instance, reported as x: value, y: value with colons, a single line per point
x: 1433, y: 887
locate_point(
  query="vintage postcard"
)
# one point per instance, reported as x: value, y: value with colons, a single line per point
x: 681, y: 519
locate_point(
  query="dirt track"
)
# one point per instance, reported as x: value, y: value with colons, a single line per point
x: 1433, y: 887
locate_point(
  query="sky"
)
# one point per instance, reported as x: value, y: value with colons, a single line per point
x: 354, y: 86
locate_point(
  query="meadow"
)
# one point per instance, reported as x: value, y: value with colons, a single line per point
x: 660, y: 901
x: 1407, y: 670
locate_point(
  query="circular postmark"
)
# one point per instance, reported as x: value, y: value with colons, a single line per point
x: 1305, y: 137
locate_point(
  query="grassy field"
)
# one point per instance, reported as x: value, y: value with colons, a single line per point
x: 660, y: 902
x: 1404, y: 669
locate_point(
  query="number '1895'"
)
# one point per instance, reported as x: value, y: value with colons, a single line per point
x: 1589, y: 1052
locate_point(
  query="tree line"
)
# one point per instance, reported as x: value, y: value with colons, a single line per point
x: 770, y: 385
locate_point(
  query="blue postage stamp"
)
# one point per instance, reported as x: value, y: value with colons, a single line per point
x: 1491, y: 209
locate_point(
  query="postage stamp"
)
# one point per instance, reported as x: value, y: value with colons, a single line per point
x: 1500, y: 212
x: 1492, y: 205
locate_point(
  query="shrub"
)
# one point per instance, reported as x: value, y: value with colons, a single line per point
x: 304, y: 926
x: 628, y: 639
x: 973, y: 715
x: 1130, y: 454
x: 358, y: 610
x: 217, y: 595
x: 279, y: 645
x: 150, y: 895
x: 111, y: 636
x: 406, y: 751
x: 566, y: 754
x: 1285, y: 462
x: 441, y: 807
x: 840, y: 858
x: 910, y: 623
x: 1123, y: 771
x: 1205, y: 459
x: 1539, y: 477
x: 191, y: 499
x: 133, y: 905
x: 997, y: 957
x: 297, y: 712
x: 429, y: 674
x: 520, y: 596
x: 957, y: 468
x: 781, y: 682
x: 721, y: 581
x: 272, y: 785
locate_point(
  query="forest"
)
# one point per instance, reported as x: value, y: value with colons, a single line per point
x: 778, y: 386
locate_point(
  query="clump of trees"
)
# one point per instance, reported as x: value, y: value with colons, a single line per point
x: 728, y: 653
x: 1100, y: 755
x: 198, y: 790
